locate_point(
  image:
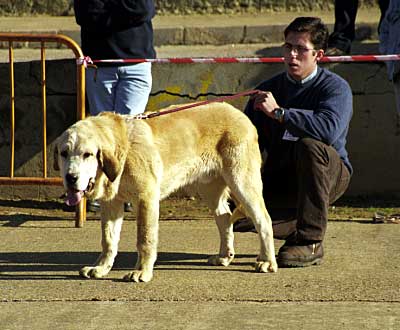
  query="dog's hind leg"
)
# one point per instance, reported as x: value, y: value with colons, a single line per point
x: 216, y: 195
x: 246, y: 185
x: 111, y: 222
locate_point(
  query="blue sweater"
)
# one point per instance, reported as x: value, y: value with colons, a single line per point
x: 327, y: 95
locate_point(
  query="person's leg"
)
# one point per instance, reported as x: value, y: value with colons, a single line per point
x: 280, y: 195
x: 100, y: 89
x: 344, y: 30
x: 321, y: 179
x: 100, y: 94
x: 396, y: 86
x: 133, y: 89
x: 383, y: 6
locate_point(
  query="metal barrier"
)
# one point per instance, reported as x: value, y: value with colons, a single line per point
x: 80, y: 215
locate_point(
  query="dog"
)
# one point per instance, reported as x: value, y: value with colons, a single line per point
x: 210, y: 149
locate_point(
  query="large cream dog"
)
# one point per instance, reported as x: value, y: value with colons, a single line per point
x: 211, y: 149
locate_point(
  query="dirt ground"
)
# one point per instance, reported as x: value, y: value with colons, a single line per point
x: 356, y: 287
x: 187, y: 208
x: 17, y: 211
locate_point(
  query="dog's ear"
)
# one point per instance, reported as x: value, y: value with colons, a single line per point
x: 55, y: 159
x: 112, y: 154
x: 111, y: 162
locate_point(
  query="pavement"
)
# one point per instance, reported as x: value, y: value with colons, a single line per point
x: 356, y: 287
x: 197, y: 29
x: 194, y: 35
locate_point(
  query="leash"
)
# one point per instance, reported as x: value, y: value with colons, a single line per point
x: 196, y: 104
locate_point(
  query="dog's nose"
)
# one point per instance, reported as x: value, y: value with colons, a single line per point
x: 71, y: 179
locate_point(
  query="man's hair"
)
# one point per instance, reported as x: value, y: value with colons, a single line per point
x: 314, y: 26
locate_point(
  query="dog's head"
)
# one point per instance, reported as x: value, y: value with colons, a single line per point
x: 87, y: 150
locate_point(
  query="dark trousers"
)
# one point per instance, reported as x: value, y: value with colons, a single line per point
x: 345, y: 19
x: 309, y: 177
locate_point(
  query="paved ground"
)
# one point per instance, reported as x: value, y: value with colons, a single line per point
x: 67, y: 23
x: 357, y: 286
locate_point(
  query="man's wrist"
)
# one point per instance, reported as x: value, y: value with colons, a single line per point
x: 279, y: 114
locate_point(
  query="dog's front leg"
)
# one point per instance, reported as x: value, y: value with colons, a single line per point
x: 111, y: 223
x: 147, y: 239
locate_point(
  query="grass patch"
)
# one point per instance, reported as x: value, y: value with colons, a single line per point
x: 364, y: 207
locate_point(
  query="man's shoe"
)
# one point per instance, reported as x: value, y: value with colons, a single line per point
x: 244, y: 225
x: 300, y: 254
x: 282, y: 228
x: 128, y: 207
x: 92, y: 206
x: 335, y: 51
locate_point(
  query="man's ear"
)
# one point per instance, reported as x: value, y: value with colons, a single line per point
x: 320, y: 54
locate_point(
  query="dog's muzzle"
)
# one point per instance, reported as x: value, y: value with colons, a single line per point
x: 74, y: 196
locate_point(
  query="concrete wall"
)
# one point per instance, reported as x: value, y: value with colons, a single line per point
x: 373, y: 143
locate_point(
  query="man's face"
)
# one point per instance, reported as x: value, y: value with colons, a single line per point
x: 299, y: 55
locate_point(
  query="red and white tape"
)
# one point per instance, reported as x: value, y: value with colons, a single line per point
x: 202, y: 60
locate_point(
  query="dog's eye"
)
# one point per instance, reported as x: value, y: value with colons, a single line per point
x: 87, y: 155
x: 64, y: 154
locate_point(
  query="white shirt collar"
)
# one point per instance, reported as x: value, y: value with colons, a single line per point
x: 306, y: 79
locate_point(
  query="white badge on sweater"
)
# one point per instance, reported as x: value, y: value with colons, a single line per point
x: 289, y: 136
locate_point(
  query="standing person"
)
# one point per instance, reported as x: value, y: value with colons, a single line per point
x: 389, y: 37
x: 117, y: 29
x: 302, y: 116
x: 344, y: 30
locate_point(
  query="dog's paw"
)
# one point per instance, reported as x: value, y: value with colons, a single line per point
x: 266, y: 267
x: 94, y: 272
x: 217, y: 260
x: 138, y: 276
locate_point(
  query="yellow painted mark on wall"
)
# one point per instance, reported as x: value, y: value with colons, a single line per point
x: 163, y: 100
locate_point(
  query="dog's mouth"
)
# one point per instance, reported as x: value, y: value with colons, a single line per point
x: 73, y: 196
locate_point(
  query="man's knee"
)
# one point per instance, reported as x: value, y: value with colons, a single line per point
x: 310, y: 151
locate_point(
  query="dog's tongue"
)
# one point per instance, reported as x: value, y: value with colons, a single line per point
x: 73, y: 197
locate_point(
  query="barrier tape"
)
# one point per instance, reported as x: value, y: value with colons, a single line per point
x: 205, y: 60
x: 85, y: 61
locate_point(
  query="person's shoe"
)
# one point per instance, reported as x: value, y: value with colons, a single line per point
x: 244, y: 225
x: 335, y: 51
x: 92, y: 206
x: 128, y: 207
x: 282, y: 228
x: 300, y: 254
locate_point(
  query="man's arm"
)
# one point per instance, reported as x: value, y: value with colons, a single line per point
x: 328, y: 121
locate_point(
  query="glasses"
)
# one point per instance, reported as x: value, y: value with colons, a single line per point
x: 297, y: 49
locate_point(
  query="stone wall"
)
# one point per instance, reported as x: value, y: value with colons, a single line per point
x: 373, y: 142
x: 65, y: 7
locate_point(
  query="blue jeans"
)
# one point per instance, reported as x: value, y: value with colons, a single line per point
x: 123, y: 89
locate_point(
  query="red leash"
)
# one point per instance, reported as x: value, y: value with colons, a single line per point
x: 196, y: 104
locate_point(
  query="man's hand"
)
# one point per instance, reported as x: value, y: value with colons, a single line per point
x: 265, y: 102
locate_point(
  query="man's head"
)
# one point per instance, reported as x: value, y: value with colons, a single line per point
x: 306, y: 39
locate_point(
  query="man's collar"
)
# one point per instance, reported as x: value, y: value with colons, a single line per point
x: 305, y: 80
